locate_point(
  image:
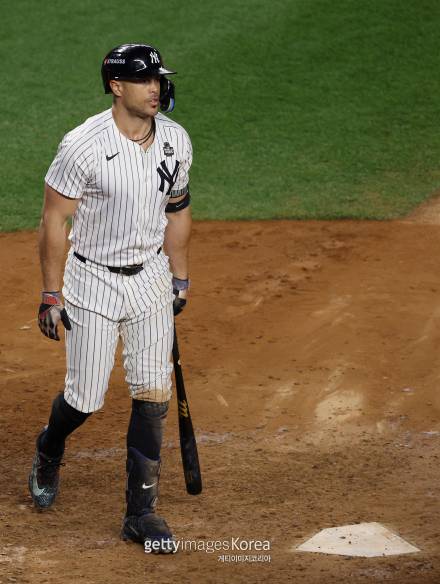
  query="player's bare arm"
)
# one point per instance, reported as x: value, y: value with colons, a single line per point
x: 52, y: 244
x: 177, y: 238
x: 176, y: 246
x: 57, y: 210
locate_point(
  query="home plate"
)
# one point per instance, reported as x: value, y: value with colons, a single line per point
x: 363, y: 539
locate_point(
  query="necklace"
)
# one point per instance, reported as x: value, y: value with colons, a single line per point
x: 152, y: 130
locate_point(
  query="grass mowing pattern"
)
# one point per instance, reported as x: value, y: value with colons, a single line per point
x: 301, y: 109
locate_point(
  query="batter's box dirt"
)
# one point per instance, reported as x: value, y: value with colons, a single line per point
x: 298, y: 344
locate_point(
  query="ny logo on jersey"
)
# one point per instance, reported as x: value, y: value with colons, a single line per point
x: 166, y: 176
x: 154, y: 57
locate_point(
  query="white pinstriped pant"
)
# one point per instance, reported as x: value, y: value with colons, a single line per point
x: 103, y: 306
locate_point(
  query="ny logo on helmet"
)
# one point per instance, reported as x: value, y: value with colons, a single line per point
x: 154, y: 57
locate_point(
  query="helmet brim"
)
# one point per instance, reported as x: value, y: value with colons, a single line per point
x: 163, y: 71
x: 143, y: 74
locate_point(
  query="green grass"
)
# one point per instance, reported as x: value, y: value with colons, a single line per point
x: 300, y: 108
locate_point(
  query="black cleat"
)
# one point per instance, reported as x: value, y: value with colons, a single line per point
x: 44, y: 477
x: 151, y: 531
x: 141, y: 524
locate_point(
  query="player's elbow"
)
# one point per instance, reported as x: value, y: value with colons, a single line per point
x: 52, y: 223
x: 53, y: 218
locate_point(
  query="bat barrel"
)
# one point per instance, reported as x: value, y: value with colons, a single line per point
x: 188, y: 445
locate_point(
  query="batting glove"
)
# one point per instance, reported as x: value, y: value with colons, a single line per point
x: 50, y: 313
x: 179, y: 290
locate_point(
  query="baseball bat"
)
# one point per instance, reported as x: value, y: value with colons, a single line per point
x: 188, y: 445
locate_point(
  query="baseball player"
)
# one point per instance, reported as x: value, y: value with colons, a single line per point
x: 122, y: 176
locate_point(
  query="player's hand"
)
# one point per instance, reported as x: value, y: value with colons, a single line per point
x: 50, y: 313
x: 180, y: 291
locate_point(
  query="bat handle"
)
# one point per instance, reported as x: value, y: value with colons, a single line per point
x: 176, y: 355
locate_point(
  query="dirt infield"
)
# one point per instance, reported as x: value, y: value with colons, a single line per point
x: 312, y: 359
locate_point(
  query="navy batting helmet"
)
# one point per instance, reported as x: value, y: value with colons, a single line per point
x: 137, y: 61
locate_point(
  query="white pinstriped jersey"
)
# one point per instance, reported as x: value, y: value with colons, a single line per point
x: 123, y: 190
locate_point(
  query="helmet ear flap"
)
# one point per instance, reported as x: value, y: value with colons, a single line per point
x: 166, y: 95
x: 105, y: 79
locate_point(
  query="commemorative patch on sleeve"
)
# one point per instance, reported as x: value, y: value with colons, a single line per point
x: 168, y: 149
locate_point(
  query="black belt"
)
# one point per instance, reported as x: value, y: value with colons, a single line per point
x: 125, y: 270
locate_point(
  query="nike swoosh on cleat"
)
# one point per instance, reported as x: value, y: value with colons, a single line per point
x: 35, y: 488
x: 144, y: 486
x: 110, y: 157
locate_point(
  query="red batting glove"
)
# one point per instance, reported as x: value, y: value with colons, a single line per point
x: 50, y: 313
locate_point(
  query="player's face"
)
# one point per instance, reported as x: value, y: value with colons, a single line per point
x: 141, y: 96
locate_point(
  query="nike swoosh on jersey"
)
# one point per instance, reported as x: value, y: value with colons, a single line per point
x: 110, y: 157
x: 144, y: 486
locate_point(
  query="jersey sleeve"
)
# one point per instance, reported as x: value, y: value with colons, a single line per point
x: 181, y: 185
x: 72, y: 167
